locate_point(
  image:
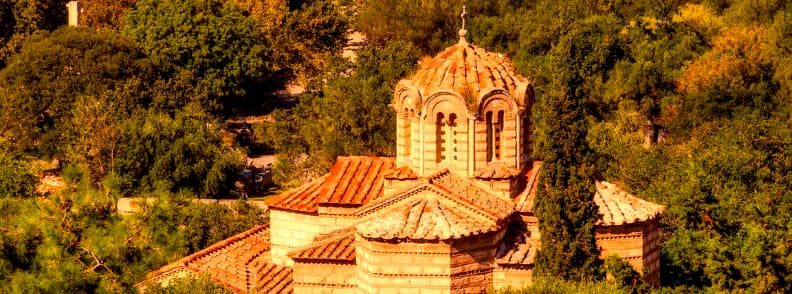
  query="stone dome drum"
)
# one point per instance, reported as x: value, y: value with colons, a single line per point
x: 465, y: 109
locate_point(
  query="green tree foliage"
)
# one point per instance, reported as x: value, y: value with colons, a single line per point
x: 190, y: 285
x: 329, y: 123
x: 74, y: 240
x: 41, y: 83
x: 565, y: 202
x: 181, y: 151
x: 17, y: 176
x: 105, y: 14
x: 208, y: 52
x: 22, y: 18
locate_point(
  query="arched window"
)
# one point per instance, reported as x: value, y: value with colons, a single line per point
x: 489, y: 135
x: 446, y: 137
x: 494, y: 130
x: 440, y: 132
x: 407, y: 129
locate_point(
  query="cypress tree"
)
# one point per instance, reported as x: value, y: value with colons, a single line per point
x: 565, y: 198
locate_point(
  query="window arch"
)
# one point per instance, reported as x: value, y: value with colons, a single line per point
x: 494, y: 135
x: 446, y: 137
x: 407, y: 117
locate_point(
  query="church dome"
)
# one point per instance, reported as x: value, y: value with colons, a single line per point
x: 469, y: 71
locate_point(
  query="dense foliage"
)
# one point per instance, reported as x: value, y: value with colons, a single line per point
x: 684, y: 104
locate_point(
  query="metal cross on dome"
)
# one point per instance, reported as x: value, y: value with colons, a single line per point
x: 464, y: 6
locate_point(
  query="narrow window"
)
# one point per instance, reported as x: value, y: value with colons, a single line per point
x: 497, y: 135
x: 441, y: 132
x: 489, y: 135
x: 450, y: 143
x: 407, y: 129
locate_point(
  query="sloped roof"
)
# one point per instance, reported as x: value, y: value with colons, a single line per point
x: 616, y: 206
x: 353, y: 180
x: 496, y: 171
x: 619, y: 207
x: 240, y: 263
x: 470, y: 71
x: 401, y: 173
x: 445, y: 207
x: 517, y: 248
x: 333, y: 249
x: 524, y: 202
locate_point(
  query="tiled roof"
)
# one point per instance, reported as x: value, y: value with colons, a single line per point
x: 401, y: 173
x: 444, y: 207
x: 469, y: 70
x: 240, y: 263
x: 334, y: 249
x: 517, y: 246
x: 426, y: 217
x: 468, y: 191
x: 524, y: 202
x: 496, y: 171
x: 619, y: 207
x: 353, y: 180
x: 616, y: 206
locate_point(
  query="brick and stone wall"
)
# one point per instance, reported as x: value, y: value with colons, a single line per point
x: 329, y: 277
x: 512, y: 277
x: 464, y: 266
x: 638, y: 244
x: 291, y: 230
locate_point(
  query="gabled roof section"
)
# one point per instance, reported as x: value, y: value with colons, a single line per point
x: 339, y: 248
x: 619, y: 207
x: 426, y: 217
x: 466, y: 190
x: 401, y: 173
x: 353, y: 181
x: 518, y: 247
x: 616, y: 206
x: 524, y: 202
x: 444, y: 207
x: 240, y: 263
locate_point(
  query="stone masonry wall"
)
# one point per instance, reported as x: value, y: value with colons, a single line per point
x: 291, y: 230
x: 512, y: 277
x: 651, y: 247
x: 625, y: 241
x: 324, y: 278
x: 407, y: 267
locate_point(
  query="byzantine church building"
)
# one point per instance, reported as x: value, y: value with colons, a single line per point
x: 453, y: 212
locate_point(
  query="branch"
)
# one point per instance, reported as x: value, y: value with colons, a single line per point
x: 98, y: 263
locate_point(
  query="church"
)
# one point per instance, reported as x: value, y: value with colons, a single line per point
x: 453, y: 212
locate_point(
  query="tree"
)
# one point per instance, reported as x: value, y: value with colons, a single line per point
x: 41, y: 83
x: 20, y: 19
x: 105, y: 14
x: 208, y: 52
x: 565, y: 200
x: 183, y: 151
x: 327, y: 124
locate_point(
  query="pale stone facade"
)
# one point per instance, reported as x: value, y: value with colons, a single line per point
x: 453, y: 212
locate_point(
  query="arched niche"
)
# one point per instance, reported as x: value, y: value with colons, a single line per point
x: 498, y: 118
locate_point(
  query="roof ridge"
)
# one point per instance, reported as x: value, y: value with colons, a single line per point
x: 184, y: 261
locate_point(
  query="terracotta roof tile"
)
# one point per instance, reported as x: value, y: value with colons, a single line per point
x: 353, y: 180
x: 235, y: 262
x: 468, y: 191
x: 468, y: 70
x: 338, y: 249
x: 619, y: 207
x: 401, y: 173
x: 426, y: 217
x: 616, y: 206
x: 524, y: 202
x: 496, y: 171
x: 517, y: 247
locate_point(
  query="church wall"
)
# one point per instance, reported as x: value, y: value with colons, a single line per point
x: 625, y: 241
x: 291, y: 230
x: 402, y: 268
x: 512, y: 277
x: 313, y: 277
x: 480, y: 146
x: 651, y: 245
x: 473, y: 261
